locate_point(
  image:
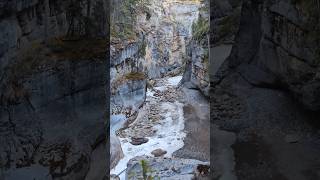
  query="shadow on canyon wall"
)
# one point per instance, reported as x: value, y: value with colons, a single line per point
x: 264, y: 96
x: 53, y: 79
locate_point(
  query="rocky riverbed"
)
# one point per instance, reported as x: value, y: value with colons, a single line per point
x: 162, y: 122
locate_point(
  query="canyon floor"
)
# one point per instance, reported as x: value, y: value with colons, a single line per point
x: 173, y: 119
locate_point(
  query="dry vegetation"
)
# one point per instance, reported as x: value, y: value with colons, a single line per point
x: 132, y: 76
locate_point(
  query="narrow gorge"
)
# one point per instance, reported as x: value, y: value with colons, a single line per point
x: 159, y: 89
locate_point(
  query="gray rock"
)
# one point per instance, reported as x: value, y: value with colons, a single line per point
x: 158, y: 152
x: 115, y: 151
x: 59, y: 125
x: 138, y: 141
x: 266, y: 53
x: 164, y: 168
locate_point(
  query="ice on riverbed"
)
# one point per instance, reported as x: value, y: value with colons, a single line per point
x: 161, y: 88
x: 150, y: 93
x: 174, y: 81
x: 169, y: 136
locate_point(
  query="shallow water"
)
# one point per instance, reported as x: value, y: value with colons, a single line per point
x: 169, y: 130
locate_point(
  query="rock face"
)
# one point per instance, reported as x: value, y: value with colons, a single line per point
x: 277, y: 45
x: 128, y: 80
x: 166, y: 168
x: 167, y: 32
x: 53, y: 96
x: 36, y: 129
x: 261, y: 95
x: 196, y: 72
x: 23, y: 22
x: 115, y: 151
x: 197, y: 68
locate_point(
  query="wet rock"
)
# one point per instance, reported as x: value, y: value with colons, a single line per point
x: 164, y: 168
x: 158, y: 152
x: 138, y: 141
x: 115, y: 151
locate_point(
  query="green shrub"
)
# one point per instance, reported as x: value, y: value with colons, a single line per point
x: 147, y: 171
x: 123, y: 24
x: 200, y: 29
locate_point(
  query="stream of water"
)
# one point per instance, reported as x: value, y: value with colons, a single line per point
x: 167, y: 131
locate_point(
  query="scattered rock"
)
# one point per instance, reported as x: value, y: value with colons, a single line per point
x: 158, y: 152
x: 138, y: 141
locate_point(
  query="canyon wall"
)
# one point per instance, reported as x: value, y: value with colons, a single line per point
x: 53, y: 81
x: 196, y: 73
x: 148, y: 41
x: 265, y: 89
x: 277, y: 43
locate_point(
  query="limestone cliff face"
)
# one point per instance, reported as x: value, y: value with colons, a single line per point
x: 127, y: 74
x: 167, y: 31
x: 276, y: 46
x: 52, y: 88
x: 196, y: 72
x: 128, y: 80
x: 148, y: 40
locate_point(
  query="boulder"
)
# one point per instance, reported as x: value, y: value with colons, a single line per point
x: 115, y: 151
x: 158, y: 152
x: 138, y: 141
x: 166, y: 168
